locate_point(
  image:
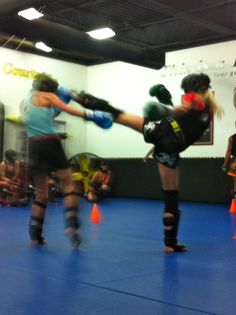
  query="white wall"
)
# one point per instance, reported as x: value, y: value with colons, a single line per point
x: 126, y: 86
x: 15, y: 87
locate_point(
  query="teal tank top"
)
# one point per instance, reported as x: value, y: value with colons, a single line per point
x: 38, y: 120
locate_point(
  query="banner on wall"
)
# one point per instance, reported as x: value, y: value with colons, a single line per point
x: 223, y: 72
x: 9, y: 69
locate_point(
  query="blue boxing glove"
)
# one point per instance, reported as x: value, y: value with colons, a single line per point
x: 102, y: 119
x: 64, y: 94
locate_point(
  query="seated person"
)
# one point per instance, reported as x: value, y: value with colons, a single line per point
x: 11, y: 179
x: 10, y: 166
x: 100, y: 184
x: 229, y: 164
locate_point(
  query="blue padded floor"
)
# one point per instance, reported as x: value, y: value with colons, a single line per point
x: 121, y: 268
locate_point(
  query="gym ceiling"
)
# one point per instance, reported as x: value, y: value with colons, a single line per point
x: 145, y: 29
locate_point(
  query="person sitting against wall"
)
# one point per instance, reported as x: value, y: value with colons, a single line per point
x: 100, y: 184
x: 11, y: 179
x: 229, y: 164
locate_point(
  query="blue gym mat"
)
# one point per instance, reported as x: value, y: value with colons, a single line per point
x: 121, y: 268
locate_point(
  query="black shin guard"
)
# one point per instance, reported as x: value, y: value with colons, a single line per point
x: 39, y: 204
x: 71, y: 218
x: 112, y: 110
x: 94, y: 103
x: 71, y: 221
x: 171, y: 224
x: 104, y: 106
x: 171, y: 217
x: 36, y: 224
x: 71, y: 225
x: 71, y: 194
x: 35, y: 229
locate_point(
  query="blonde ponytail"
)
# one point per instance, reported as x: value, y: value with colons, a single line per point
x: 209, y: 98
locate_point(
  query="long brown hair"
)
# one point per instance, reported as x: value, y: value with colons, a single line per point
x: 209, y: 97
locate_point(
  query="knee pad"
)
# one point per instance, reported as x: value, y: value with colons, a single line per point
x: 95, y: 185
x: 39, y: 204
x: 70, y: 194
x: 71, y: 217
x: 35, y: 228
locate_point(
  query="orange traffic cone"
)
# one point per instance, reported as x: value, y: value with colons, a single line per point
x: 232, y: 208
x: 95, y: 214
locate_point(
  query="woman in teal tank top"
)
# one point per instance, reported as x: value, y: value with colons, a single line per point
x: 46, y: 154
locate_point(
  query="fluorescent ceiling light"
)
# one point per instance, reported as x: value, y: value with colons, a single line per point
x: 102, y: 33
x: 42, y: 46
x: 30, y: 14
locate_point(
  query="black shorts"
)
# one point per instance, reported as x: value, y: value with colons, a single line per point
x: 167, y: 143
x: 46, y: 156
x: 170, y: 160
x: 161, y: 134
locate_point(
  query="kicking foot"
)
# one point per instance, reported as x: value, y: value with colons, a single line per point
x: 39, y: 242
x: 178, y: 248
